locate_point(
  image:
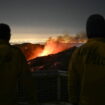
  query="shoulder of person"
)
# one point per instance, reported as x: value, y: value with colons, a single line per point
x: 17, y: 50
x: 78, y: 49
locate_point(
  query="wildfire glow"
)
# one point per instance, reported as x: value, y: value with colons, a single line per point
x: 61, y: 43
x: 52, y: 46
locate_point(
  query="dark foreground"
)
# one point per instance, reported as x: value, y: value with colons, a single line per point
x: 51, y: 88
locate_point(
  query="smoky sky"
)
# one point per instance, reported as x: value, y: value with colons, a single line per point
x: 49, y: 15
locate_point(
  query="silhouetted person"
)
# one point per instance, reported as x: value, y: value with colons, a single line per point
x: 87, y: 66
x: 13, y: 68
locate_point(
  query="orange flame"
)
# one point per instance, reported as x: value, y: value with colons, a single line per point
x: 61, y: 43
x: 52, y: 46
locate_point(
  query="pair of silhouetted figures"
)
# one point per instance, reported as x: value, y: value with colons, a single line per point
x: 86, y: 75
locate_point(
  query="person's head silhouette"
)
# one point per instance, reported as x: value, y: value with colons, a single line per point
x: 5, y: 32
x: 95, y: 26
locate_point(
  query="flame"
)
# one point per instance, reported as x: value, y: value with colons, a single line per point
x: 52, y: 46
x: 61, y: 43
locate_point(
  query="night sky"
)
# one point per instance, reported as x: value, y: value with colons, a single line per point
x: 36, y: 20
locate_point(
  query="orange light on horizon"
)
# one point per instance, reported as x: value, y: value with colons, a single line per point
x: 26, y: 38
x: 31, y: 37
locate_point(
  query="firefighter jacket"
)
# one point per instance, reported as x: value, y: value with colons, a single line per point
x: 13, y: 67
x: 86, y: 76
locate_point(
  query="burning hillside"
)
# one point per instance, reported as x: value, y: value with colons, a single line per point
x: 52, y: 46
x: 54, y: 54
